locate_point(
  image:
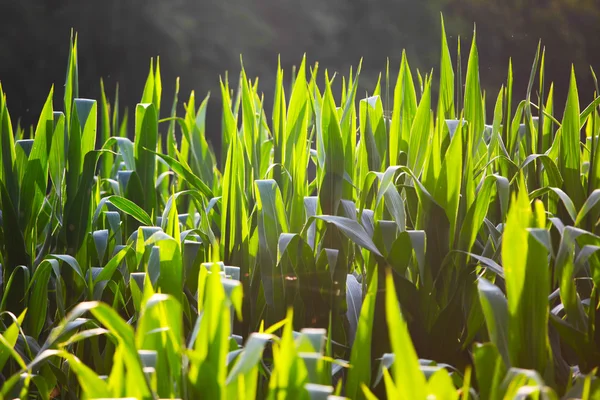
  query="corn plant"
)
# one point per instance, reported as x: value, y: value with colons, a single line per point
x: 338, y: 246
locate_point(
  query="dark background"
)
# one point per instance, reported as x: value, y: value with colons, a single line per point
x: 199, y: 40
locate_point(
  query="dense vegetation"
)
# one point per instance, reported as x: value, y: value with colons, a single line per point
x: 384, y: 246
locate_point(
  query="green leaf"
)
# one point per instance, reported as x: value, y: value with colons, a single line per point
x: 160, y: 330
x: 441, y: 386
x: 404, y: 112
x: 56, y: 160
x: 124, y: 335
x: 360, y: 357
x: 250, y: 357
x: 38, y: 296
x: 35, y: 180
x: 479, y: 209
x: 109, y: 269
x: 393, y: 200
x: 234, y: 225
x: 90, y: 382
x: 208, y: 369
x: 126, y: 150
x: 495, y: 309
x: 352, y: 229
x: 295, y: 159
x: 588, y: 110
x: 77, y: 208
x: 249, y: 125
x: 71, y: 80
x: 330, y: 140
x: 564, y: 198
x: 490, y: 370
x: 420, y: 133
x: 170, y: 280
x: 589, y: 204
x: 86, y: 110
x: 474, y: 112
x: 9, y: 173
x: 153, y: 87
x: 406, y: 369
x: 527, y: 277
x: 446, y: 88
x: 272, y: 222
x: 229, y: 122
x: 569, y: 157
x: 564, y: 271
x: 552, y: 172
x: 130, y: 208
x: 107, y: 162
x: 146, y: 140
x: 14, y: 242
x: 203, y: 160
x: 448, y: 190
x: 348, y: 129
x: 10, y: 335
x: 186, y: 173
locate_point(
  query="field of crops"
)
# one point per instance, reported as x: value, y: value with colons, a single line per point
x: 380, y: 245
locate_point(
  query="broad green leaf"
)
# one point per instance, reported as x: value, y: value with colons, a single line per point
x: 77, y: 208
x: 90, y: 382
x: 407, y: 373
x: 329, y: 136
x: 170, y: 280
x: 353, y: 230
x: 490, y: 370
x: 208, y: 369
x: 295, y: 158
x: 146, y: 137
x: 14, y: 242
x: 360, y: 357
x: 589, y: 204
x: 153, y: 87
x: 160, y: 330
x: 441, y: 386
x: 130, y: 208
x: 121, y: 331
x: 71, y: 80
x: 420, y: 132
x: 448, y: 190
x: 527, y: 285
x: 7, y: 141
x: 56, y: 159
x: 250, y: 357
x: 188, y: 176
x: 495, y: 309
x: 35, y: 180
x: 11, y: 335
x: 404, y: 112
x: 569, y: 154
x: 107, y: 161
x: 38, y: 296
x: 202, y: 157
x: 446, y: 88
x: 474, y: 112
x: 479, y: 209
x: 272, y: 222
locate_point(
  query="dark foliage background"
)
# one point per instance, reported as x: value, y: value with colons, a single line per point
x: 200, y: 40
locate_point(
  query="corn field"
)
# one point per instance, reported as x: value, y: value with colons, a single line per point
x: 341, y: 245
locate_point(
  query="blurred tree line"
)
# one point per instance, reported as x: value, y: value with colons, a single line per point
x: 200, y: 40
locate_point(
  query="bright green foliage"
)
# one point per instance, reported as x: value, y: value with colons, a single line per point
x: 407, y: 374
x: 400, y: 245
x: 527, y: 275
x: 360, y: 358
